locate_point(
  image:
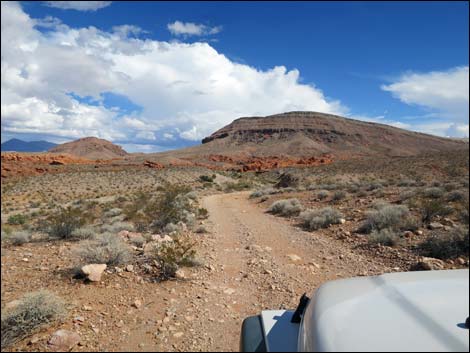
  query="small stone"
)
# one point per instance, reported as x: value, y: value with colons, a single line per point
x: 461, y: 261
x: 435, y: 225
x: 79, y: 319
x: 408, y: 234
x: 34, y: 340
x: 342, y: 221
x: 229, y: 291
x: 294, y: 257
x: 63, y: 340
x: 130, y: 268
x: 137, y: 304
x: 94, y: 271
x: 120, y: 323
x: 25, y: 259
x: 178, y: 335
x: 179, y: 274
x: 87, y: 308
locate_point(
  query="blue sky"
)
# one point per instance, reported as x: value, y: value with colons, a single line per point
x: 159, y: 75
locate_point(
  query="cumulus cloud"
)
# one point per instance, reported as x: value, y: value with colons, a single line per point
x: 53, y: 83
x: 78, y: 5
x: 444, y: 94
x: 179, y: 28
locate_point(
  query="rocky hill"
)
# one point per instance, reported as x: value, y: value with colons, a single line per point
x: 305, y: 134
x: 303, y: 139
x: 91, y: 148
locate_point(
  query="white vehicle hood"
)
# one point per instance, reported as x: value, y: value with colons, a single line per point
x: 413, y: 311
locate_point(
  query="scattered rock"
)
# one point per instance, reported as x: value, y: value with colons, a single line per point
x: 94, y: 271
x: 408, y: 234
x: 294, y: 257
x: 428, y: 264
x: 63, y: 340
x: 435, y: 225
x: 179, y: 274
x: 130, y: 268
x: 137, y: 304
x: 461, y: 261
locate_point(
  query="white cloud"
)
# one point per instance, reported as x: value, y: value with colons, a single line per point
x: 179, y: 28
x: 445, y: 94
x: 78, y: 5
x: 188, y: 89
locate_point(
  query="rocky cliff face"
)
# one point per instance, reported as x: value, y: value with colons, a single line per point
x: 91, y: 148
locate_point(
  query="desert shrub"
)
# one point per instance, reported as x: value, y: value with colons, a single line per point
x: 322, y: 218
x: 431, y: 208
x: 106, y: 248
x: 456, y: 196
x: 171, y: 228
x: 447, y: 244
x: 384, y: 216
x: 201, y: 230
x: 117, y: 227
x: 172, y: 207
x: 286, y: 208
x: 338, y: 195
x: 202, y: 213
x: 171, y: 255
x: 83, y: 233
x: 353, y: 188
x: 113, y: 212
x: 138, y: 241
x: 384, y: 236
x: 263, y: 192
x: 451, y: 186
x: 323, y: 194
x: 35, y: 311
x: 406, y: 182
x: 434, y: 192
x: 238, y: 186
x: 192, y: 195
x: 408, y: 194
x: 373, y: 186
x: 20, y: 237
x: 62, y: 223
x: 207, y: 178
x: 17, y: 219
x: 287, y: 180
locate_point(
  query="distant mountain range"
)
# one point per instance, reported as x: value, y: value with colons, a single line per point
x: 18, y: 145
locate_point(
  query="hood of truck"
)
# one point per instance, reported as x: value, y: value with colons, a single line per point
x: 412, y: 311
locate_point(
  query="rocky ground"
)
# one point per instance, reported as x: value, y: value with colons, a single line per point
x: 253, y: 261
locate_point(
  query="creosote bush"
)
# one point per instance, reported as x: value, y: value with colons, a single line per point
x: 64, y: 222
x: 35, y: 311
x: 286, y: 208
x: 17, y: 219
x: 431, y: 208
x: 171, y: 255
x: 447, y: 244
x: 322, y: 218
x: 106, y: 248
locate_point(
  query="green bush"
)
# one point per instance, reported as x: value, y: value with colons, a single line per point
x: 17, y: 219
x: 207, y: 178
x: 431, y: 208
x: 35, y: 311
x: 338, y: 195
x: 64, y: 222
x: 171, y: 255
x: 447, y: 244
x: 322, y: 218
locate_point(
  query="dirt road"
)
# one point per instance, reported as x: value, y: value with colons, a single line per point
x: 260, y: 261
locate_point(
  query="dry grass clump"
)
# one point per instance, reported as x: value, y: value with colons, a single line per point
x: 384, y: 236
x: 35, y: 310
x: 20, y: 237
x: 286, y: 208
x: 117, y: 227
x: 387, y: 216
x: 62, y: 223
x: 106, y: 248
x: 83, y: 233
x: 322, y: 218
x: 433, y: 192
x: 323, y: 194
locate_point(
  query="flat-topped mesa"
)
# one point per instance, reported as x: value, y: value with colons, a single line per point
x: 92, y: 148
x: 313, y: 133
